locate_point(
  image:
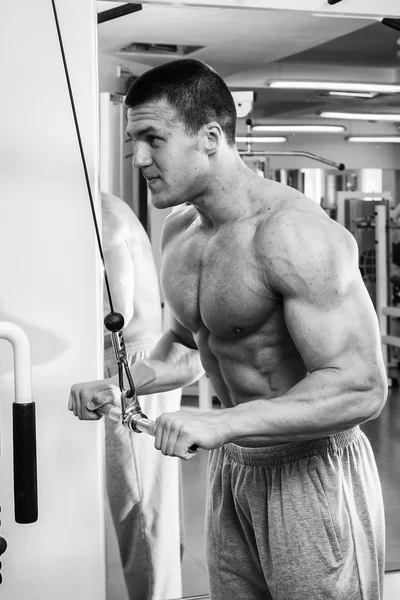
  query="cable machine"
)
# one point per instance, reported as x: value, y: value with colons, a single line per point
x: 250, y: 152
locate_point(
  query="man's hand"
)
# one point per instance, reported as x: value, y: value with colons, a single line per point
x: 85, y: 398
x: 177, y: 431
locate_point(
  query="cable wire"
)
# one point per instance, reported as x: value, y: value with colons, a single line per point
x: 71, y: 97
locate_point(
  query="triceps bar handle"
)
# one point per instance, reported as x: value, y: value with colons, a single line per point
x: 134, y: 421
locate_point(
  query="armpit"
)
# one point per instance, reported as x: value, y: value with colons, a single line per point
x: 185, y: 343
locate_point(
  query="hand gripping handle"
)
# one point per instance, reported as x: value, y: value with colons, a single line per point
x: 136, y: 422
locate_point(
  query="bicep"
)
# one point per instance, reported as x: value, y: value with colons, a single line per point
x: 327, y: 308
x: 333, y: 328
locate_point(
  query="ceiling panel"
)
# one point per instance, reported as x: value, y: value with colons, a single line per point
x: 249, y: 47
x: 375, y: 46
x: 233, y: 39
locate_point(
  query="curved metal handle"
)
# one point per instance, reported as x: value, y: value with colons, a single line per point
x: 141, y: 423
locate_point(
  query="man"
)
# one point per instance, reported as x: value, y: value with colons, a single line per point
x: 268, y: 299
x: 142, y: 484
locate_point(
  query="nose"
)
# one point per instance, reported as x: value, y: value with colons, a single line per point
x: 141, y: 156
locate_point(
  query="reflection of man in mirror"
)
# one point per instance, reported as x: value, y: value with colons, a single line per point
x: 142, y: 484
x: 269, y: 299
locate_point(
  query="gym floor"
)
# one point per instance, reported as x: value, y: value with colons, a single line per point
x: 384, y: 435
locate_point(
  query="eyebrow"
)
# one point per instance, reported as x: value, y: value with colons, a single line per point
x: 143, y: 131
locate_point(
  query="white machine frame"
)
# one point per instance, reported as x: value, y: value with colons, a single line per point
x: 383, y: 310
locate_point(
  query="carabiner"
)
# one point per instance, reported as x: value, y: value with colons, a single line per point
x: 123, y: 369
x: 114, y: 322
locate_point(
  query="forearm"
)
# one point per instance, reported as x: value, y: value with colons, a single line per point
x: 171, y: 365
x: 322, y: 404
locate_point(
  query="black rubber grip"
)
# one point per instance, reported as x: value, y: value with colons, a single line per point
x: 25, y: 464
x: 3, y: 545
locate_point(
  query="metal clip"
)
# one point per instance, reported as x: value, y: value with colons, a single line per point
x: 123, y: 369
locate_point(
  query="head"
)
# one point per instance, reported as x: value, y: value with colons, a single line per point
x: 179, y: 114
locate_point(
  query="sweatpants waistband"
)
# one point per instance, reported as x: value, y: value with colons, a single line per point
x: 280, y: 454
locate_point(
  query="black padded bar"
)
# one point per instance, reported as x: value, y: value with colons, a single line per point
x: 119, y: 11
x: 331, y: 2
x: 25, y: 467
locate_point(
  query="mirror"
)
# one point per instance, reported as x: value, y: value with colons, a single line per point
x: 311, y: 139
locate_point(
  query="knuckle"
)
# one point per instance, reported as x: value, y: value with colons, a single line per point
x: 162, y: 420
x: 185, y: 432
x: 176, y: 426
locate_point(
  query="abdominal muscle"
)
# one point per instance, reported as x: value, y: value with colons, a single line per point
x: 250, y: 368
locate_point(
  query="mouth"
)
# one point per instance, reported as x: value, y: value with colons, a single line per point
x: 149, y: 177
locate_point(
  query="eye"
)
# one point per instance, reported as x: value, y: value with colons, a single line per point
x: 153, y: 140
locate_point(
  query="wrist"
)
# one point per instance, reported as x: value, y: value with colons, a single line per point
x: 143, y: 375
x: 224, y: 421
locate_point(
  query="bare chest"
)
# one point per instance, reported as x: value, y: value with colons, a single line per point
x: 216, y: 282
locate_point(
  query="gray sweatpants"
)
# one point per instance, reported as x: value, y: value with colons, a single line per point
x: 296, y: 521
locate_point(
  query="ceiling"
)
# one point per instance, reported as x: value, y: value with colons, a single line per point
x: 250, y: 47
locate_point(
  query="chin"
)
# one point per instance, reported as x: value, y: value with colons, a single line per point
x: 160, y: 201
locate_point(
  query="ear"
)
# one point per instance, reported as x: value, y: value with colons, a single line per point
x: 212, y: 137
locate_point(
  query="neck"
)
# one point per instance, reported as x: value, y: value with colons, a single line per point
x: 229, y: 196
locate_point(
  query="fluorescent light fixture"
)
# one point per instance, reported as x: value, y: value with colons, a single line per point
x: 301, y: 128
x: 361, y: 116
x: 353, y: 94
x: 387, y: 139
x: 261, y: 140
x: 384, y: 88
x: 340, y: 16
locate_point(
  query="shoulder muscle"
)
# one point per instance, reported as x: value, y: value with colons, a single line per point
x: 308, y: 254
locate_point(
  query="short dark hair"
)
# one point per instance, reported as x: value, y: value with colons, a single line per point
x: 198, y: 94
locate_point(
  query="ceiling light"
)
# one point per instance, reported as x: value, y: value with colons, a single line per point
x: 360, y: 116
x: 389, y: 139
x: 384, y: 88
x: 341, y: 16
x: 354, y: 94
x: 261, y: 140
x: 301, y: 128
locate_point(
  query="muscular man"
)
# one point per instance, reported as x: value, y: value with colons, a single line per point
x: 142, y: 484
x: 268, y: 299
